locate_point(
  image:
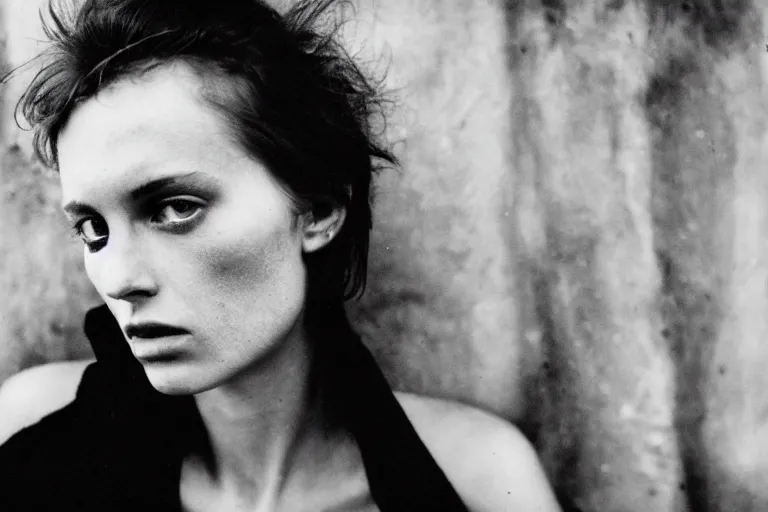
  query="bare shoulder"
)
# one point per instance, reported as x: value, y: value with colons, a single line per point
x: 490, y: 463
x: 32, y: 394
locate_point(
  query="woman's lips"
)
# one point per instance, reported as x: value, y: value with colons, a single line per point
x: 158, y: 348
x: 155, y: 341
x: 149, y: 330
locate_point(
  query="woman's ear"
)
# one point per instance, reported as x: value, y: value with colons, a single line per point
x: 317, y: 232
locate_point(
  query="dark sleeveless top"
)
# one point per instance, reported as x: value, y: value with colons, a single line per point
x: 119, y: 445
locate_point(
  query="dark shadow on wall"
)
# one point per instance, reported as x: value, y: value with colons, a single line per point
x: 552, y: 418
x: 694, y: 155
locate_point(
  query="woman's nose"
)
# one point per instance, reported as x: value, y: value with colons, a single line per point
x: 123, y: 273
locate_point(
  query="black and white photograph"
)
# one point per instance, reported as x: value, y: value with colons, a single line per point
x: 384, y: 255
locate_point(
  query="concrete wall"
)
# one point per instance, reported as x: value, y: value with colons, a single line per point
x: 41, y: 277
x: 576, y: 239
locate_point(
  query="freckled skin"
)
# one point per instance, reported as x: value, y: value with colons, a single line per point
x: 235, y: 279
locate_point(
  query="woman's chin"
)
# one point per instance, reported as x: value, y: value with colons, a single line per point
x: 175, y: 379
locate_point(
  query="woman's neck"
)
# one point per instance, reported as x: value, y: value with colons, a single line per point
x: 256, y: 422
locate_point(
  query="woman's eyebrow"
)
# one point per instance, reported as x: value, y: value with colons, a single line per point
x: 143, y: 190
x: 157, y: 185
x: 76, y: 208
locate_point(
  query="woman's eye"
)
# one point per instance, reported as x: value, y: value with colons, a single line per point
x: 176, y: 211
x: 92, y: 231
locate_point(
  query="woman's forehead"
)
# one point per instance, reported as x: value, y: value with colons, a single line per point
x: 153, y: 121
x: 166, y: 98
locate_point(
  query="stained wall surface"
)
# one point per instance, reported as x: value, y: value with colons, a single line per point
x: 576, y: 239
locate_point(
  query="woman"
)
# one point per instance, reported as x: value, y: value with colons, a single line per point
x: 215, y: 158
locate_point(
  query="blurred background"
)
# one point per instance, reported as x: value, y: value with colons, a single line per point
x: 576, y: 239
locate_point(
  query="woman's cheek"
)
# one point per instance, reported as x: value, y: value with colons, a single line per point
x: 249, y: 264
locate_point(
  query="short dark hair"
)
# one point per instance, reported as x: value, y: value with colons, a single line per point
x: 298, y: 102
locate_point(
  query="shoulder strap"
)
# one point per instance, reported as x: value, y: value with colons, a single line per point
x: 402, y: 474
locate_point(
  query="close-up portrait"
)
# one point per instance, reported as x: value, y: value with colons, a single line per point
x: 384, y: 255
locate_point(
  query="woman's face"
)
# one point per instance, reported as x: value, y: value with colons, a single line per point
x: 182, y: 228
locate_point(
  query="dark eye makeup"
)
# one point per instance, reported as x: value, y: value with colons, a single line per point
x: 176, y: 211
x: 93, y: 231
x: 175, y: 204
x: 176, y: 215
